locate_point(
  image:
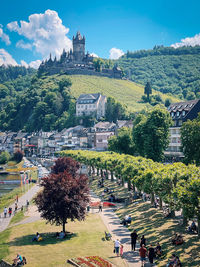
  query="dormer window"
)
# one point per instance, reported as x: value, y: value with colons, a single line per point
x: 172, y: 114
x: 183, y: 113
x: 178, y: 113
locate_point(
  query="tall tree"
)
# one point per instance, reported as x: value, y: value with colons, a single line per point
x: 151, y: 133
x: 122, y: 143
x: 64, y: 196
x: 190, y: 139
x: 148, y: 90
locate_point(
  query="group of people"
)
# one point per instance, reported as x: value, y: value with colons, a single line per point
x: 192, y: 228
x: 177, y: 240
x: 118, y: 248
x: 37, y: 237
x: 60, y: 235
x: 127, y: 220
x: 19, y: 260
x: 174, y: 262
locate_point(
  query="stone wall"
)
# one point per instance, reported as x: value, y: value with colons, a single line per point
x: 81, y: 71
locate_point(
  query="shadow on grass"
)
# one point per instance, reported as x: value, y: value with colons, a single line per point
x: 48, y: 238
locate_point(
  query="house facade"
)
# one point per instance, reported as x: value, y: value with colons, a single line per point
x: 180, y: 113
x: 91, y: 105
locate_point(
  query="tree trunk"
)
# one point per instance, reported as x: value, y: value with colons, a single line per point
x: 101, y: 173
x: 64, y: 226
x: 122, y: 180
x: 93, y: 170
x: 112, y: 177
x: 172, y: 213
x: 152, y: 198
x: 107, y: 175
x: 97, y: 171
x: 160, y: 203
x: 133, y: 187
x: 129, y: 185
x: 198, y: 223
x: 90, y: 170
x: 185, y: 220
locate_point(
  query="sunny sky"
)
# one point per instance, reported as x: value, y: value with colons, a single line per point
x: 31, y: 30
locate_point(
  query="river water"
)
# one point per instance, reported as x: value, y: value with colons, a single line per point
x: 8, y: 182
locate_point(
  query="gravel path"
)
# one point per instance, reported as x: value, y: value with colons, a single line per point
x: 4, y: 222
x: 118, y: 231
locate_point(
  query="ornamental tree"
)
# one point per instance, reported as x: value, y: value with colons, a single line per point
x: 65, y: 194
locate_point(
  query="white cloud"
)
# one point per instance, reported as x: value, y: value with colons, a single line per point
x: 35, y: 64
x: 189, y: 41
x: 6, y: 59
x: 46, y: 31
x: 23, y: 63
x: 94, y: 55
x: 22, y: 44
x: 115, y: 53
x: 5, y: 38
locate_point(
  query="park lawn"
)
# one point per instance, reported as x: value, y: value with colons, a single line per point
x: 19, y: 216
x: 119, y: 191
x: 150, y: 222
x: 85, y: 241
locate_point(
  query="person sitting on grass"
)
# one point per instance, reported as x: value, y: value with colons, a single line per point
x: 61, y: 235
x: 18, y: 260
x: 158, y: 250
x: 36, y: 237
x: 192, y: 228
x: 172, y: 261
x: 179, y: 240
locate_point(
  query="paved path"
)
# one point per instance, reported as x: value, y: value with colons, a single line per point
x: 4, y: 222
x: 118, y: 231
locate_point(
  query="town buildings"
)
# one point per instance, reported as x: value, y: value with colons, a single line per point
x: 91, y: 104
x: 180, y: 113
x: 47, y: 143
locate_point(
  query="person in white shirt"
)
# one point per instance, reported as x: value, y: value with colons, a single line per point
x: 117, y: 245
x: 5, y: 212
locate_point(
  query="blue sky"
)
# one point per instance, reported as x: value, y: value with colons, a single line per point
x: 107, y: 24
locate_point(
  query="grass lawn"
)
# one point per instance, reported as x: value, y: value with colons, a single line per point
x: 86, y: 240
x: 150, y: 222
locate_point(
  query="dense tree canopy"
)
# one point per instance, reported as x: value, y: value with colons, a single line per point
x: 169, y: 70
x: 150, y: 133
x: 64, y: 195
x: 190, y: 140
x: 123, y: 142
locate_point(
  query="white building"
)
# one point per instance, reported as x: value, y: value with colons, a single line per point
x: 91, y: 104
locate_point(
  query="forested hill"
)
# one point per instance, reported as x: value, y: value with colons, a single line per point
x: 8, y: 73
x: 48, y: 103
x: 170, y: 70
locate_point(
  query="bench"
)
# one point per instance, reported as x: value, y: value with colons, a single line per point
x: 108, y: 236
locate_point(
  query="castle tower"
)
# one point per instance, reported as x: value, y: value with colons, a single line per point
x: 78, y: 47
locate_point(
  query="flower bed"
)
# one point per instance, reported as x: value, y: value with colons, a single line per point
x: 91, y: 261
x: 105, y: 204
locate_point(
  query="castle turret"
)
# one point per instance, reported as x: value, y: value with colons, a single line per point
x: 78, y: 47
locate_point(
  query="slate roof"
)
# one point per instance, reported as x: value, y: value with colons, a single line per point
x: 84, y: 98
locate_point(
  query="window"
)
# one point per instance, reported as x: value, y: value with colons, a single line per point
x: 178, y: 113
x: 183, y: 113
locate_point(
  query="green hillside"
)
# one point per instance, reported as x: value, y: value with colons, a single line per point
x: 48, y: 102
x: 124, y: 91
x: 169, y: 70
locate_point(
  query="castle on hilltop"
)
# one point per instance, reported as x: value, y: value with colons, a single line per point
x: 76, y: 61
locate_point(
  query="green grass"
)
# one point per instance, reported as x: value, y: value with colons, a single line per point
x: 86, y: 239
x: 4, y: 246
x: 7, y: 199
x: 151, y: 222
x: 19, y: 216
x: 126, y: 92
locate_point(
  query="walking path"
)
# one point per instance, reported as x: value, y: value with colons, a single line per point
x: 4, y: 222
x: 118, y: 231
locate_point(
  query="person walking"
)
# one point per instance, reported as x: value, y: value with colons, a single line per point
x: 17, y: 198
x: 134, y: 237
x: 117, y: 245
x: 151, y: 254
x: 5, y: 212
x: 143, y: 241
x: 10, y: 211
x: 121, y: 250
x: 143, y: 252
x: 100, y: 207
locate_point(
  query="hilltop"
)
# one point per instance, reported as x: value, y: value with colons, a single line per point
x: 170, y: 70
